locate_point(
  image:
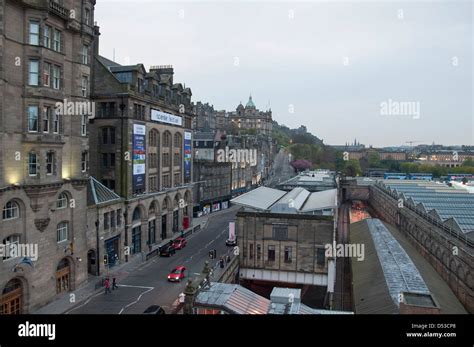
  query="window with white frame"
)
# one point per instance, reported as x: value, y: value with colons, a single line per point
x: 33, y: 72
x: 32, y: 164
x: 57, y: 40
x: 46, y: 118
x: 46, y: 74
x: 85, y: 54
x: 56, y: 77
x: 11, y: 241
x: 11, y: 210
x: 87, y: 16
x: 84, y: 161
x: 84, y: 85
x: 84, y: 119
x: 62, y: 232
x: 47, y: 36
x: 33, y: 119
x: 61, y: 202
x: 56, y: 122
x: 49, y: 163
x: 34, y: 32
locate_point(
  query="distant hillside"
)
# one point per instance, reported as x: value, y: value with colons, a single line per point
x: 304, y: 145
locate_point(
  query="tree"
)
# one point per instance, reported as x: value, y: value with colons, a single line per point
x: 301, y: 165
x: 352, y: 168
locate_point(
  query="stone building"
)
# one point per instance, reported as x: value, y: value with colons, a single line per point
x: 45, y: 59
x: 143, y: 140
x: 250, y: 118
x: 212, y: 179
x: 282, y: 238
x: 205, y: 116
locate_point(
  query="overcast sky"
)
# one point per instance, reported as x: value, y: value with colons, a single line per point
x: 329, y: 65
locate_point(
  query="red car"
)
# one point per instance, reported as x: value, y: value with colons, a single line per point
x: 176, y: 274
x: 179, y: 243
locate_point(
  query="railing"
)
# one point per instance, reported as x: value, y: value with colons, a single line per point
x: 58, y: 9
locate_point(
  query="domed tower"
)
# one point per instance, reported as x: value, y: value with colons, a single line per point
x: 250, y: 103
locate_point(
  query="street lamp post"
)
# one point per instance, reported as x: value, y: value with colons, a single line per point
x: 125, y: 215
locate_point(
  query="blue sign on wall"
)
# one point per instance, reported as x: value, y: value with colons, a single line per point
x: 187, y: 156
x: 139, y: 155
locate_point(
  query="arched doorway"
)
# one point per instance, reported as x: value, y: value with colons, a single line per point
x: 91, y: 262
x: 12, y: 298
x: 63, y: 276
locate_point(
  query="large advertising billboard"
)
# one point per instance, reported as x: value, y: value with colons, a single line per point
x: 187, y: 156
x: 139, y: 155
x: 164, y: 117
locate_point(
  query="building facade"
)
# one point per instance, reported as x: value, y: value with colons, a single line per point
x: 143, y: 137
x: 250, y: 118
x: 45, y: 75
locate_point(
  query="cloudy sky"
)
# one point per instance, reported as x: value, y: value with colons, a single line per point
x: 383, y: 72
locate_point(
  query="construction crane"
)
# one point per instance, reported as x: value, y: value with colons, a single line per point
x: 412, y: 142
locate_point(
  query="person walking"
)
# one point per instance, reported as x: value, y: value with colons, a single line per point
x: 221, y: 262
x: 107, y: 286
x: 114, y: 283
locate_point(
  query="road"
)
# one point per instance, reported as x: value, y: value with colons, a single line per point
x: 149, y: 286
x: 282, y: 170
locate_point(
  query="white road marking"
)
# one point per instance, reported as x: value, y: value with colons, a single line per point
x: 84, y: 303
x: 139, y: 297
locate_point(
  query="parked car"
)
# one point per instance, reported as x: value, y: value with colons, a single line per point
x: 154, y: 309
x: 167, y: 250
x: 179, y: 243
x: 231, y: 243
x: 177, y: 274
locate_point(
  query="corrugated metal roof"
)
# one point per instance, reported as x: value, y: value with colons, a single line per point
x: 299, y: 200
x: 400, y: 273
x: 232, y: 298
x: 261, y: 198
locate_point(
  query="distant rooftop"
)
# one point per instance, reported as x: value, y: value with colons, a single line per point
x: 235, y: 299
x: 312, y: 180
x: 298, y: 201
x: 451, y: 206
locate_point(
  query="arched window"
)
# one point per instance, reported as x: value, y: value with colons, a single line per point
x: 152, y: 209
x: 167, y: 139
x: 62, y: 201
x: 177, y: 140
x: 153, y: 138
x: 137, y: 214
x: 14, y: 241
x: 11, y: 210
x: 12, y: 296
x: 62, y: 232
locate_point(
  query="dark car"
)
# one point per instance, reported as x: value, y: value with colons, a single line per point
x: 154, y: 309
x: 167, y: 251
x: 179, y: 243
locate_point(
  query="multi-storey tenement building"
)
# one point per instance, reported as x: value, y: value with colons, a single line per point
x: 143, y: 141
x: 212, y: 179
x: 45, y: 58
x: 205, y: 116
x: 249, y: 117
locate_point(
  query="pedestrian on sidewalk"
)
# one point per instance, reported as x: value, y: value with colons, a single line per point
x: 221, y: 262
x: 114, y: 283
x: 107, y: 286
x: 227, y: 259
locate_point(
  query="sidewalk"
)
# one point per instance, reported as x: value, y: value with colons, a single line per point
x: 93, y: 285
